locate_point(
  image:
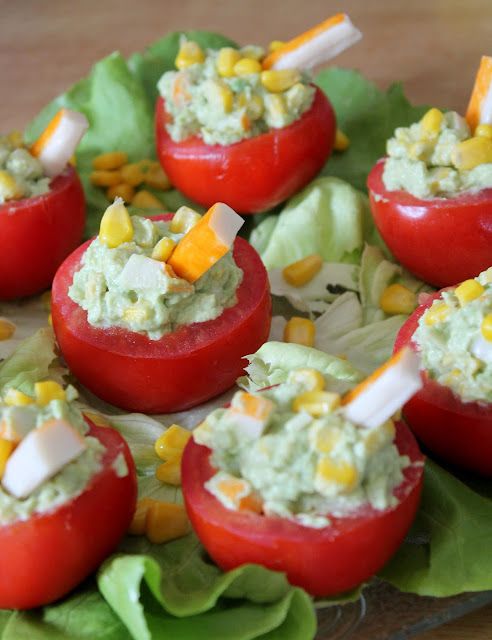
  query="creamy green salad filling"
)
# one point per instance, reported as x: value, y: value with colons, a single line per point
x: 438, y: 156
x: 455, y: 339
x: 300, y: 467
x: 71, y: 480
x: 21, y: 174
x: 223, y: 103
x: 124, y: 287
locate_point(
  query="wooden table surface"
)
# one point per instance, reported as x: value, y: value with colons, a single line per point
x: 432, y: 46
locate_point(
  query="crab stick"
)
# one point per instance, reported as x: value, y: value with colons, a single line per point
x: 315, y: 46
x: 379, y: 397
x: 206, y: 242
x: 479, y: 109
x: 57, y: 144
x: 251, y: 413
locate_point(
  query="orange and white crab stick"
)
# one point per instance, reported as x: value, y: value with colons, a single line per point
x: 57, y: 144
x: 479, y: 109
x: 386, y: 390
x: 315, y: 46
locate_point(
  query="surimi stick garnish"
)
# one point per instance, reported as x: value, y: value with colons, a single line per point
x: 315, y: 46
x: 57, y: 144
x: 479, y: 109
x: 206, y: 242
x: 386, y: 390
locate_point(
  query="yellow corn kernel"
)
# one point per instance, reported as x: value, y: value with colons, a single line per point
x: 124, y: 191
x: 15, y: 138
x: 166, y: 521
x: 8, y: 186
x: 377, y: 438
x: 484, y: 130
x: 430, y: 124
x: 50, y: 319
x: 486, y: 327
x: 163, y: 249
x: 303, y: 271
x: 105, y: 178
x: 278, y: 80
x: 135, y: 314
x: 156, y: 178
x: 137, y: 525
x: 246, y: 66
x: 132, y: 174
x: 470, y: 153
x: 255, y: 107
x: 183, y: 220
x: 73, y: 161
x: 437, y: 313
x: 467, y: 291
x: 47, y: 391
x: 342, y: 141
x: 146, y: 200
x: 245, y: 122
x: 170, y: 471
x: 15, y: 398
x: 172, y: 442
x: 276, y: 104
x: 116, y: 225
x: 110, y: 160
x: 340, y: 472
x: 6, y: 448
x: 327, y: 439
x: 7, y: 329
x: 97, y: 419
x: 300, y: 331
x: 310, y: 379
x: 189, y: 53
x: 397, y: 299
x: 275, y: 44
x: 317, y: 403
x: 226, y: 60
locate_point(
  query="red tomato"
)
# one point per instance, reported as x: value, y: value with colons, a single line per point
x: 456, y: 431
x: 323, y: 561
x: 441, y: 240
x: 43, y: 558
x: 183, y: 368
x: 37, y: 234
x: 255, y: 174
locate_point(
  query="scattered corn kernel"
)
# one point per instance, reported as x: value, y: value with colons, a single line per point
x: 437, y: 313
x: 467, y: 291
x: 50, y: 319
x: 397, y: 299
x: 15, y: 398
x: 47, y: 391
x: 246, y: 66
x: 170, y: 471
x: 430, y: 124
x: 124, y: 191
x: 132, y: 174
x: 172, y: 441
x: 470, y: 153
x: 226, y: 60
x: 156, y: 178
x: 317, y: 403
x: 6, y: 448
x: 311, y: 379
x: 8, y: 186
x: 484, y: 130
x: 137, y: 525
x: 166, y: 521
x: 146, y: 200
x: 278, y: 80
x: 342, y: 141
x: 303, y: 271
x: 163, y: 249
x: 189, y: 53
x: 486, y: 327
x: 300, y: 331
x: 105, y: 178
x: 110, y: 160
x: 7, y: 329
x: 183, y: 220
x: 116, y: 225
x: 340, y: 472
x: 275, y: 44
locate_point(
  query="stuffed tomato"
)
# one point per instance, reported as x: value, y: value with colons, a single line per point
x: 431, y: 198
x: 163, y: 333
x: 302, y: 489
x: 229, y: 131
x: 68, y: 495
x: 452, y: 415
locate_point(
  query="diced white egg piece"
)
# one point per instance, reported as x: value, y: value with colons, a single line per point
x: 22, y: 421
x: 141, y: 272
x: 225, y: 222
x: 251, y: 413
x: 42, y: 453
x: 385, y: 391
x: 482, y: 349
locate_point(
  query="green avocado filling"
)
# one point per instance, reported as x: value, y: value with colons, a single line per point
x: 21, y: 174
x: 124, y: 287
x: 300, y: 467
x: 426, y: 159
x: 226, y: 109
x: 455, y: 342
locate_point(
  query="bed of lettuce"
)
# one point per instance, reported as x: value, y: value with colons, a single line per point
x: 172, y: 591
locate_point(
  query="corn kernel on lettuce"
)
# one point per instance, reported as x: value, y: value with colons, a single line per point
x: 129, y: 286
x: 438, y: 156
x: 21, y: 174
x: 456, y: 342
x: 302, y: 466
x: 226, y: 98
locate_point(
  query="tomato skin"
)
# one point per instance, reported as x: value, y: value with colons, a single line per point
x: 252, y: 175
x: 458, y: 432
x: 323, y: 561
x: 37, y: 234
x: 45, y: 557
x: 182, y: 369
x: 442, y: 240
